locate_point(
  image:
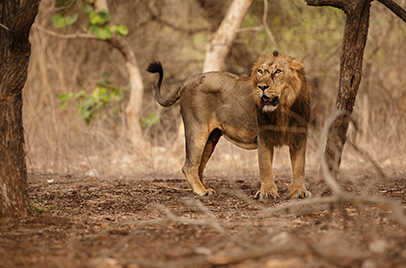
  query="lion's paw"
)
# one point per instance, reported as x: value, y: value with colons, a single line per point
x: 299, y: 192
x: 208, y: 192
x: 270, y: 192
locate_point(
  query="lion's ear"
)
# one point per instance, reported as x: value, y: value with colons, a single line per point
x: 296, y: 65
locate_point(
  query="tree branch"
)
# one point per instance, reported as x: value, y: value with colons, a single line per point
x: 395, y: 8
x: 5, y: 27
x: 341, y: 4
x: 265, y: 22
x: 156, y: 16
x: 264, y: 25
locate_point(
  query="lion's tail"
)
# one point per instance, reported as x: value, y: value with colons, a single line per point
x: 173, y: 97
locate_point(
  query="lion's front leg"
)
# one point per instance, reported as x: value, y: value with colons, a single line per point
x: 297, y: 156
x: 268, y: 187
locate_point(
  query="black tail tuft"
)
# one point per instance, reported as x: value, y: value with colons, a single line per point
x: 275, y: 53
x: 155, y: 67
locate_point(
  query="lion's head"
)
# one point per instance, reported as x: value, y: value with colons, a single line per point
x: 277, y: 81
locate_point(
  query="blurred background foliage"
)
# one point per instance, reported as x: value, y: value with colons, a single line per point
x: 177, y: 32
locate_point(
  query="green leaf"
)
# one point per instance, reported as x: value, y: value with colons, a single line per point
x: 65, y: 96
x: 99, y: 18
x: 151, y: 120
x: 87, y: 9
x: 103, y: 33
x: 116, y: 94
x: 101, y: 95
x: 71, y: 20
x: 87, y: 110
x: 64, y: 99
x: 119, y: 29
x: 80, y: 95
x: 60, y: 21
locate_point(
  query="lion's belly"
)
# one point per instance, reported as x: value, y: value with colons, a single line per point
x: 243, y: 136
x: 237, y: 121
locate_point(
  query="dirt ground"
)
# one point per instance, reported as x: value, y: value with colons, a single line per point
x: 156, y: 221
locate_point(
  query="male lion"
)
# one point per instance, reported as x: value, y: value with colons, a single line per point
x: 283, y: 112
x: 268, y: 109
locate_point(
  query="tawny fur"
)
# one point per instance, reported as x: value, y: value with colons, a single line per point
x: 216, y: 104
x: 286, y: 123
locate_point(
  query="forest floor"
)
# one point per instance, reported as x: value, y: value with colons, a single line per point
x: 156, y: 221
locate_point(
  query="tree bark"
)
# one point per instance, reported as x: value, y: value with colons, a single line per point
x: 221, y: 43
x: 16, y: 18
x: 355, y: 36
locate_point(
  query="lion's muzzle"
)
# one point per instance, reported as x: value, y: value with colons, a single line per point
x: 263, y: 87
x: 265, y: 100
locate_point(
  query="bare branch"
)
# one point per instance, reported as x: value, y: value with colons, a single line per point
x: 395, y: 8
x: 265, y: 22
x: 158, y: 18
x: 324, y: 167
x: 369, y: 158
x: 334, y: 3
x: 5, y: 27
x: 253, y: 29
x: 264, y: 25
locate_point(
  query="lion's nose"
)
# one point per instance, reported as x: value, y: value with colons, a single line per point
x: 275, y: 101
x: 263, y: 87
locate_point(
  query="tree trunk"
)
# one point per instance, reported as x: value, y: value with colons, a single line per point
x: 355, y: 37
x: 222, y: 41
x: 133, y: 110
x: 16, y: 18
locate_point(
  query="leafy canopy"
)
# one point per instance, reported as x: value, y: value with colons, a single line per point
x: 99, y: 22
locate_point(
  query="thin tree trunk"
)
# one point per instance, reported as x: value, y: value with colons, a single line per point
x: 133, y: 110
x: 16, y: 18
x: 222, y: 41
x: 355, y: 37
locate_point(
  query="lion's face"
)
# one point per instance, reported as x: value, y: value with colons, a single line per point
x: 275, y: 82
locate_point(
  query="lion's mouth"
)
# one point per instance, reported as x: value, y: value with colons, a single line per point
x: 265, y: 100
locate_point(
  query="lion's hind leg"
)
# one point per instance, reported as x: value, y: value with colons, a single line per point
x: 196, y: 140
x: 211, y: 143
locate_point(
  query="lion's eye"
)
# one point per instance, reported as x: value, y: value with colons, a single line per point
x: 260, y: 71
x: 277, y: 71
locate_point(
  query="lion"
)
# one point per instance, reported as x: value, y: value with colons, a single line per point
x: 267, y: 109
